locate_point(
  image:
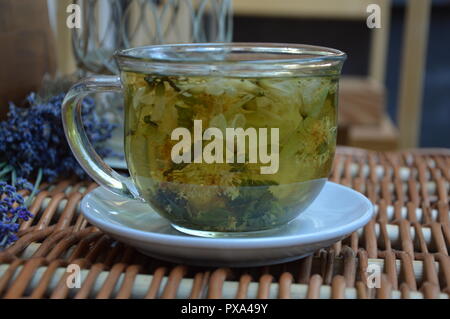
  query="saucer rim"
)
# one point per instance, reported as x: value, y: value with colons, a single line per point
x: 125, y: 231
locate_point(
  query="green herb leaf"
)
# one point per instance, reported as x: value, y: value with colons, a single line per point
x: 148, y: 120
x: 152, y: 81
x: 255, y: 206
x: 167, y: 199
x: 171, y: 83
x: 185, y: 117
x: 216, y: 216
x: 175, y: 167
x: 322, y: 148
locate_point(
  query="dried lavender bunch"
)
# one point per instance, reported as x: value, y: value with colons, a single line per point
x: 33, y: 138
x: 33, y: 145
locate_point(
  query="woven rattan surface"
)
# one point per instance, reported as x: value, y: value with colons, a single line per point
x: 408, y: 239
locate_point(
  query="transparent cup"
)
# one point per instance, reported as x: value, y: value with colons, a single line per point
x: 222, y: 140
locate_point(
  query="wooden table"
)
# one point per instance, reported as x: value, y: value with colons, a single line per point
x: 409, y: 239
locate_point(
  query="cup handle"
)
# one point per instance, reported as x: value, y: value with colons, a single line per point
x: 78, y: 141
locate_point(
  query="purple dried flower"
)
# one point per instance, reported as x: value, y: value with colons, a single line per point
x: 22, y: 183
x: 12, y: 211
x: 33, y: 138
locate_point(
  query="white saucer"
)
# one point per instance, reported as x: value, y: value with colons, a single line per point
x: 337, y: 212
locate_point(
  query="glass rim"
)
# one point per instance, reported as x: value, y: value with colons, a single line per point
x: 230, y: 59
x: 288, y: 49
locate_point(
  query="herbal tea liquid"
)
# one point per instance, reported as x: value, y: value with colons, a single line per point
x: 297, y: 116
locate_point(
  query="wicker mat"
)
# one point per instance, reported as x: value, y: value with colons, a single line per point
x: 408, y: 240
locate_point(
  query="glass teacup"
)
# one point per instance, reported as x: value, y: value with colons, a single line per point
x: 220, y: 139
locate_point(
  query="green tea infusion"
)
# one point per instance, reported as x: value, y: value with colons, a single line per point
x: 229, y: 154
